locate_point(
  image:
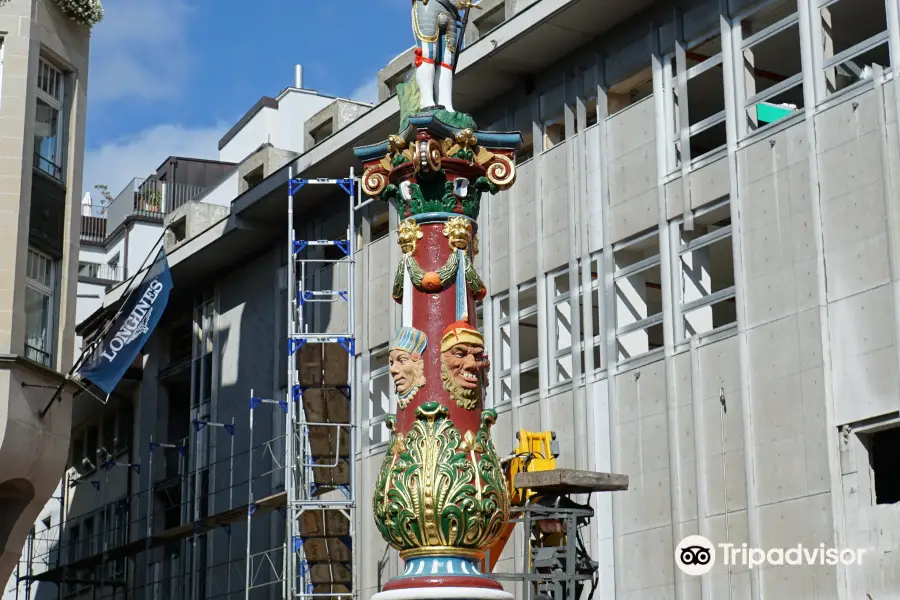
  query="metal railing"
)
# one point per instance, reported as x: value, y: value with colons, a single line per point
x: 47, y: 166
x: 148, y: 198
x: 93, y: 226
x: 99, y: 271
x: 38, y: 355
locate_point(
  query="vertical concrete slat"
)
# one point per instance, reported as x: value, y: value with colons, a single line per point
x: 575, y: 102
x: 810, y: 28
x: 667, y: 281
x: 541, y: 270
x: 608, y: 291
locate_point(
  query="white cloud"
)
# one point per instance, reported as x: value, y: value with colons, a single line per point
x: 140, y: 50
x: 118, y: 161
x: 366, y: 92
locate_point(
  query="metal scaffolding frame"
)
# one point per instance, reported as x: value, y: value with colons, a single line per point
x: 315, y: 559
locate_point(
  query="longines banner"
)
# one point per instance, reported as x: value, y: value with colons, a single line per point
x: 132, y: 328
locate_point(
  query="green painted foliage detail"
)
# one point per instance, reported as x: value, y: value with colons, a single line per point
x: 410, y: 99
x: 457, y: 474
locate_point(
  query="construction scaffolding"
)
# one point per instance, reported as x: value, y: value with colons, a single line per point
x: 316, y: 559
x: 181, y: 536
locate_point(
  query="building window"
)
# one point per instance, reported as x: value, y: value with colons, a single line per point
x: 116, y: 535
x: 202, y: 363
x: 772, y: 72
x: 555, y: 130
x: 855, y: 37
x: 322, y: 131
x: 526, y: 152
x: 48, y: 124
x: 595, y: 344
x: 88, y: 542
x: 379, y: 404
x: 638, y: 289
x: 630, y: 90
x: 491, y: 19
x: 379, y: 224
x: 529, y: 362
x: 254, y: 177
x: 402, y: 76
x: 103, y: 438
x: 884, y: 453
x: 501, y: 350
x: 706, y: 268
x: 561, y: 342
x: 155, y: 580
x: 697, y: 81
x: 40, y: 283
x: 590, y: 107
x: 74, y: 543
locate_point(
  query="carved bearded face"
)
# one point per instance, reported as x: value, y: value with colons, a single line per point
x: 407, y: 372
x: 463, y: 372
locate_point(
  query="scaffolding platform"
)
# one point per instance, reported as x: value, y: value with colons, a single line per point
x: 564, y: 482
x: 319, y: 410
x: 165, y: 537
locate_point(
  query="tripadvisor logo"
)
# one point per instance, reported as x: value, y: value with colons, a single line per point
x: 696, y: 555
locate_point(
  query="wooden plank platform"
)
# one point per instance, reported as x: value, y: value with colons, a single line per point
x: 571, y: 481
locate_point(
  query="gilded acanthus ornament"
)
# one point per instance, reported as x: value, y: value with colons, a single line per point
x: 440, y: 489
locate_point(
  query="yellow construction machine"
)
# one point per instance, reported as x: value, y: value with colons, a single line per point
x: 557, y: 562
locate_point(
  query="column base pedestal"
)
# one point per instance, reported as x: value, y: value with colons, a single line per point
x: 442, y: 578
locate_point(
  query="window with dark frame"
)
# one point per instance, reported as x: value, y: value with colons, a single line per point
x: 529, y: 360
x: 501, y: 350
x: 629, y: 90
x: 884, y: 456
x: 854, y: 38
x: 706, y: 272
x: 379, y: 402
x: 560, y: 326
x: 770, y: 63
x: 638, y: 295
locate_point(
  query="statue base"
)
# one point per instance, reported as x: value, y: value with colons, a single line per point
x: 443, y: 578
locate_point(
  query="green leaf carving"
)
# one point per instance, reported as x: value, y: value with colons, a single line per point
x: 439, y: 486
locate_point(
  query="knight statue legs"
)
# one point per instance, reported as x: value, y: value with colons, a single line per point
x: 436, y: 27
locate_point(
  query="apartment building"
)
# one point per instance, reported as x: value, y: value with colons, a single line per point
x: 43, y: 82
x: 118, y: 235
x: 692, y: 283
x: 119, y: 232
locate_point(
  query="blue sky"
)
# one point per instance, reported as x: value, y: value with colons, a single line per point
x: 170, y: 77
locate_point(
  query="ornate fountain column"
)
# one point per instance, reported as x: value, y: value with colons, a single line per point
x: 441, y: 498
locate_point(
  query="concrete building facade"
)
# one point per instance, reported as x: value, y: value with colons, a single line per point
x: 693, y: 282
x: 43, y: 84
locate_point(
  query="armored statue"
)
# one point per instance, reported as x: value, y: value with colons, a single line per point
x: 438, y: 30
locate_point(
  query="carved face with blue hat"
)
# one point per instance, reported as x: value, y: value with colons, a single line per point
x: 406, y: 364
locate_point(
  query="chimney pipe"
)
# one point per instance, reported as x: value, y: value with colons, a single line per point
x: 298, y: 76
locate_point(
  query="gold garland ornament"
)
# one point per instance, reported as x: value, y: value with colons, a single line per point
x: 458, y: 231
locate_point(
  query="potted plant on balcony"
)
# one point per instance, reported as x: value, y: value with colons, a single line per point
x: 148, y: 201
x: 154, y: 200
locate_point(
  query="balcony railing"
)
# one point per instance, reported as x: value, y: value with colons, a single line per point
x: 148, y: 198
x: 93, y: 225
x: 99, y: 271
x: 37, y: 355
x: 47, y: 166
